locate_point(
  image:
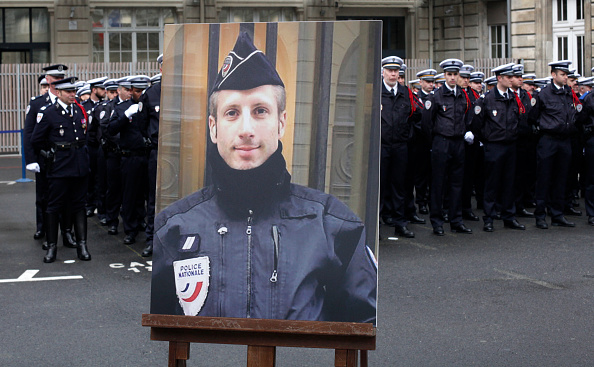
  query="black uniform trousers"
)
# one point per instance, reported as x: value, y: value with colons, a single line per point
x: 525, y: 170
x: 410, y: 209
x: 447, y: 165
x: 471, y: 153
x: 422, y: 166
x: 553, y: 155
x: 500, y: 170
x: 134, y: 185
x: 394, y: 159
x: 66, y: 194
x: 152, y: 192
x: 101, y: 182
x: 574, y: 173
x: 589, y: 158
x: 113, y: 195
x: 91, y: 201
x: 41, y: 188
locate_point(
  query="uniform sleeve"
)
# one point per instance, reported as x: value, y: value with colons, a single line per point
x: 477, y: 116
x: 428, y: 115
x: 142, y: 116
x: 30, y: 122
x: 117, y: 121
x: 163, y: 298
x: 40, y: 132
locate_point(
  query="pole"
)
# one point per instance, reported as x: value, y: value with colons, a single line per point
x: 23, y: 164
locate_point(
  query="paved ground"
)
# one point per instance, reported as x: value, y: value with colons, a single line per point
x: 499, y: 299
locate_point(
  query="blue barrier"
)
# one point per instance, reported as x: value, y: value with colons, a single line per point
x: 23, y: 164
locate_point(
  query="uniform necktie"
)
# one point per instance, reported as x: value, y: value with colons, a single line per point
x: 392, y: 91
x: 69, y: 110
x: 505, y: 95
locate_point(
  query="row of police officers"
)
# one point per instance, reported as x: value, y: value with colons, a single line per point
x: 96, y: 156
x: 511, y: 145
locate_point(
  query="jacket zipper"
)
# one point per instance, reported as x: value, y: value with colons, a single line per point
x: 248, y: 232
x: 222, y: 231
x: 275, y: 238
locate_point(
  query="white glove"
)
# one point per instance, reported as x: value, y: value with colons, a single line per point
x: 469, y: 137
x: 131, y: 110
x: 33, y: 167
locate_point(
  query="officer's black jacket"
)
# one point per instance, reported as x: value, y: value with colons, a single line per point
x: 131, y: 137
x: 496, y: 118
x: 93, y: 126
x: 446, y: 114
x: 524, y: 128
x: 472, y: 95
x: 56, y: 129
x: 554, y: 112
x: 585, y: 120
x: 397, y: 120
x: 97, y: 114
x: 111, y: 141
x: 31, y: 154
x: 148, y: 113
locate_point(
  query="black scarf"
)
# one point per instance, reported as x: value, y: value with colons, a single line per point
x: 257, y: 189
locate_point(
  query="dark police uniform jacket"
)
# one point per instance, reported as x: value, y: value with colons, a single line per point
x: 148, y: 113
x: 554, y: 111
x: 398, y: 116
x: 93, y: 133
x: 524, y: 128
x: 445, y: 113
x: 303, y: 259
x: 131, y: 138
x: 585, y: 121
x: 31, y: 154
x: 111, y: 143
x: 496, y: 118
x: 67, y: 136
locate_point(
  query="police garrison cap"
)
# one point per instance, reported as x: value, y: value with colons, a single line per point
x: 440, y: 78
x: 529, y: 78
x: 427, y: 75
x: 124, y: 82
x: 139, y: 81
x: 58, y: 70
x: 110, y: 84
x: 451, y: 65
x: 562, y: 65
x: 42, y: 80
x: 491, y: 80
x: 84, y: 90
x: 66, y: 84
x: 518, y: 70
x: 245, y: 68
x: 392, y: 62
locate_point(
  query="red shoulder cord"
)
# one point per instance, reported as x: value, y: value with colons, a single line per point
x: 84, y: 114
x: 520, y: 104
x: 467, y: 100
x: 576, y: 100
x: 476, y: 95
x: 529, y: 95
x: 412, y: 102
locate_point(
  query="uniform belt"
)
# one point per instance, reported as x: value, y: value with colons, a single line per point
x: 68, y: 146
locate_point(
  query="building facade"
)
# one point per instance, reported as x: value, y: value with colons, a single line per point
x: 534, y: 32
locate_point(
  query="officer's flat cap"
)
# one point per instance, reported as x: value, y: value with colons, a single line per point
x: 160, y: 59
x: 56, y: 70
x: 156, y: 78
x: 541, y: 82
x: 414, y: 83
x: 42, y: 80
x: 124, y: 82
x: 477, y: 77
x: 529, y: 78
x: 402, y: 70
x: 84, y: 90
x: 518, y: 70
x: 466, y: 70
x: 245, y: 68
x: 139, y: 81
x: 507, y: 69
x: 491, y: 80
x: 80, y: 84
x: 586, y: 81
x: 562, y: 65
x: 440, y: 78
x: 451, y: 65
x: 428, y: 75
x: 66, y: 84
x: 110, y: 84
x: 392, y: 62
x: 97, y: 82
x: 573, y: 74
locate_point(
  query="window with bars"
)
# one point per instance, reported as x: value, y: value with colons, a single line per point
x: 498, y: 41
x: 238, y: 15
x: 123, y: 35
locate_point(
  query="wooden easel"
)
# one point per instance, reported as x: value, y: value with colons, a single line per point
x: 262, y: 336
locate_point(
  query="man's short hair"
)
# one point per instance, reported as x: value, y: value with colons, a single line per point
x: 279, y: 93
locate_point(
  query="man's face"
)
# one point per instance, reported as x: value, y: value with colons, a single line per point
x: 463, y: 82
x: 478, y: 87
x: 50, y: 79
x: 401, y: 79
x: 99, y: 92
x: 248, y: 126
x: 559, y: 77
x: 451, y: 78
x: 67, y: 96
x: 571, y: 82
x: 584, y: 89
x: 504, y: 81
x: 426, y: 86
x: 390, y: 76
x: 84, y: 97
x: 517, y: 82
x: 111, y: 94
x: 124, y: 93
x: 528, y: 87
x: 136, y: 93
x: 43, y: 88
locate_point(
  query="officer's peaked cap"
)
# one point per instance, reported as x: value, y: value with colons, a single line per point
x: 156, y: 78
x: 477, y: 77
x: 466, y: 70
x: 402, y: 70
x: 97, y: 82
x: 124, y: 82
x: 392, y: 62
x: 491, y: 80
x: 58, y: 70
x: 518, y: 70
x: 586, y: 81
x: 42, y: 81
x: 66, y: 84
x: 451, y: 65
x: 529, y: 78
x: 440, y: 78
x: 139, y: 81
x: 84, y: 90
x: 507, y: 69
x: 573, y: 74
x: 562, y: 65
x: 245, y: 68
x: 110, y: 84
x: 160, y: 59
x: 428, y: 75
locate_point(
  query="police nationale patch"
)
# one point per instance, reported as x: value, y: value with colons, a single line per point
x: 139, y: 106
x: 192, y: 277
x: 579, y: 107
x: 157, y: 109
x: 533, y: 101
x: 101, y: 115
x: 494, y: 112
x: 477, y: 110
x: 226, y: 66
x: 39, y: 117
x: 444, y: 108
x: 427, y: 105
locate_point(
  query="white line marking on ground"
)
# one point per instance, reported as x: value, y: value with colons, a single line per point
x: 28, y: 275
x: 542, y: 283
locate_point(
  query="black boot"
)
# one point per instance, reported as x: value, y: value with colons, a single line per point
x: 66, y: 227
x: 80, y: 230
x: 148, y: 250
x: 52, y: 221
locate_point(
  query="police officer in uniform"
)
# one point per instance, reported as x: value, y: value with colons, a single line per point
x: 586, y: 126
x: 554, y: 113
x: 148, y: 118
x: 399, y: 113
x: 496, y: 122
x: 444, y: 119
x: 135, y: 147
x: 272, y: 249
x: 61, y: 133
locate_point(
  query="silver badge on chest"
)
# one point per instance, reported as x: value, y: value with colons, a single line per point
x: 61, y: 132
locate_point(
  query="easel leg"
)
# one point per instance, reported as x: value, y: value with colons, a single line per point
x: 364, y: 358
x: 259, y: 356
x: 179, y: 353
x: 345, y: 358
